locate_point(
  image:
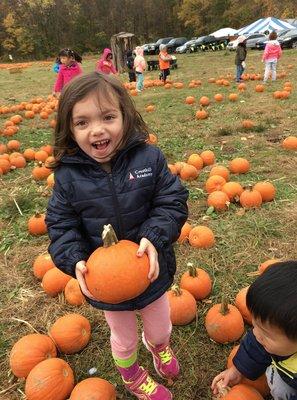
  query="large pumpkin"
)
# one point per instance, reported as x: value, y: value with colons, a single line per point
x: 196, y: 281
x: 29, y: 351
x: 93, y: 389
x: 240, y: 302
x: 71, y: 333
x: 242, y: 392
x: 114, y: 272
x: 183, y: 306
x: 50, y: 380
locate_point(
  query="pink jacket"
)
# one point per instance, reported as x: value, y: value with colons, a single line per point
x: 139, y: 61
x: 105, y: 66
x: 65, y: 75
x: 272, y: 51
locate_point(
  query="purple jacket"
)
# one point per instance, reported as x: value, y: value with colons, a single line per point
x: 105, y: 66
x: 65, y: 75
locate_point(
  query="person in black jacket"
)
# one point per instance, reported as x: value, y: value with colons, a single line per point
x: 240, y: 57
x: 107, y: 173
x: 272, y: 344
x: 130, y: 66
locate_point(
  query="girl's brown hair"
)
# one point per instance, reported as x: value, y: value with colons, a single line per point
x: 272, y: 35
x: 107, y: 87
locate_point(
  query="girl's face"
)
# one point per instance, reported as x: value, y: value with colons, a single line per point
x: 66, y: 60
x: 273, y: 339
x: 97, y: 126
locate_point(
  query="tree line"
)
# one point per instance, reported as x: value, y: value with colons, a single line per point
x: 39, y: 28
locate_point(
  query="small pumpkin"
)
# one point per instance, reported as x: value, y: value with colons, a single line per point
x: 264, y: 265
x: 290, y: 143
x: 196, y: 161
x: 247, y: 124
x: 42, y: 264
x: 36, y: 224
x: 183, y: 307
x: 266, y: 190
x: 196, y: 281
x: 93, y: 389
x: 219, y: 200
x: 204, y: 101
x: 214, y: 182
x: 114, y: 272
x: 233, y: 96
x: 240, y: 302
x: 54, y: 281
x: 190, y: 100
x: 242, y: 392
x: 250, y: 198
x: 233, y: 190
x: 73, y: 294
x: 188, y: 172
x: 239, y: 165
x: 220, y: 170
x: 218, y: 97
x: 201, y: 237
x: 201, y: 114
x: 208, y: 157
x: 184, y: 234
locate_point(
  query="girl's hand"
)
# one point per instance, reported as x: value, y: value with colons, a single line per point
x: 145, y: 246
x: 229, y: 377
x: 80, y: 270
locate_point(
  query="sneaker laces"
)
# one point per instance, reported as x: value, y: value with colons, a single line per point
x: 148, y: 386
x: 165, y: 355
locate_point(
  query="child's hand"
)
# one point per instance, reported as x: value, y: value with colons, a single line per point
x: 147, y: 247
x: 80, y: 270
x: 229, y: 377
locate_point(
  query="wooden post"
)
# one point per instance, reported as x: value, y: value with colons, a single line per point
x: 120, y: 43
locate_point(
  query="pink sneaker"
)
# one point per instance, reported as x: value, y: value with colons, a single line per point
x: 145, y: 388
x: 165, y: 362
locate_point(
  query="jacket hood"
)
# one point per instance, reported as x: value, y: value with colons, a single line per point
x: 273, y: 42
x: 106, y: 52
x: 139, y: 51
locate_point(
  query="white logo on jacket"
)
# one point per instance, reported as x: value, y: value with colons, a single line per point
x: 140, y: 173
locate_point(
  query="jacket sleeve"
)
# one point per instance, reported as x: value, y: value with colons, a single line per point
x: 67, y: 245
x: 59, y: 82
x: 169, y: 209
x: 251, y: 358
x: 113, y: 69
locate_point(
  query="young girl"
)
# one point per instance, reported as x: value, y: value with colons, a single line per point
x: 240, y: 57
x: 68, y: 69
x: 271, y: 55
x: 105, y: 65
x: 139, y: 65
x: 107, y: 173
x: 164, y: 62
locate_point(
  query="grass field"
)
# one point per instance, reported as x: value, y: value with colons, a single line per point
x: 243, y: 239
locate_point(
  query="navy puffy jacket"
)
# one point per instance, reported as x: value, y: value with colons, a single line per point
x: 139, y: 198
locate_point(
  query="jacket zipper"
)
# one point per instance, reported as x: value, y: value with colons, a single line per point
x: 116, y: 206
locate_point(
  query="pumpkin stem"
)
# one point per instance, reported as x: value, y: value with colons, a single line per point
x: 109, y: 236
x: 224, y: 306
x: 176, y: 290
x: 192, y: 270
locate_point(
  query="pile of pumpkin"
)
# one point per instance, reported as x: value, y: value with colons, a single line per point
x: 34, y: 357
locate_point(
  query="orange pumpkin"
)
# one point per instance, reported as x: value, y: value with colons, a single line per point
x: 208, y: 157
x: 42, y: 264
x: 114, y: 272
x: 40, y: 172
x: 71, y: 333
x: 264, y: 265
x: 51, y: 379
x: 29, y: 351
x: 41, y: 155
x: 250, y: 198
x: 73, y: 294
x: 259, y: 88
x: 150, y: 108
x: 188, y: 172
x: 204, y: 101
x: 266, y: 190
x: 218, y: 97
x: 233, y: 96
x: 54, y: 281
x: 240, y: 302
x: 183, y: 306
x: 201, y: 237
x: 196, y: 161
x: 201, y: 114
x: 29, y: 154
x: 224, y: 323
x: 220, y: 170
x: 214, y: 182
x: 239, y: 165
x: 233, y: 190
x: 219, y: 200
x: 153, y: 139
x: 93, y: 389
x: 196, y: 281
x: 290, y: 143
x: 190, y: 100
x: 36, y: 224
x: 242, y: 392
x: 184, y: 234
x: 247, y: 124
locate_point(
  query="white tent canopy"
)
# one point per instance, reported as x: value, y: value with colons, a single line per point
x: 224, y: 32
x: 265, y: 24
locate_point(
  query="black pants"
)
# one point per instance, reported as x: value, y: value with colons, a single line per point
x: 132, y: 76
x: 164, y: 73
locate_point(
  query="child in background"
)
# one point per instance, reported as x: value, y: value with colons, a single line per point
x: 164, y: 62
x: 130, y: 66
x: 101, y: 155
x: 105, y: 64
x: 271, y: 345
x: 68, y: 69
x: 139, y: 66
x: 240, y: 57
x: 271, y: 55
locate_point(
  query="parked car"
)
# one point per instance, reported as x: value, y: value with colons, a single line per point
x: 289, y: 40
x: 146, y: 47
x: 174, y: 43
x: 261, y: 43
x: 185, y: 47
x: 153, y: 48
x: 208, y: 43
x: 251, y: 41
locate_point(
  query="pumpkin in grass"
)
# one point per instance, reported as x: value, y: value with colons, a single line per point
x: 42, y: 264
x: 220, y: 170
x: 214, y: 182
x: 71, y: 333
x: 51, y: 379
x: 73, y: 294
x: 239, y: 165
x: 242, y: 392
x: 250, y: 198
x: 41, y: 155
x: 150, y: 108
x: 201, y: 237
x: 264, y: 265
x: 266, y: 190
x: 184, y: 234
x: 29, y: 154
x: 114, y: 272
x: 153, y: 139
x: 290, y: 143
x: 183, y: 307
x: 218, y: 97
x: 224, y: 323
x: 259, y: 88
x: 208, y: 157
x: 41, y: 172
x: 240, y: 302
x: 247, y: 124
x: 36, y: 224
x: 54, y: 281
x: 196, y: 281
x: 29, y: 351
x: 219, y: 200
x: 201, y: 114
x: 196, y: 161
x: 259, y: 384
x: 233, y: 96
x: 188, y: 172
x: 233, y: 190
x: 190, y: 100
x: 93, y: 389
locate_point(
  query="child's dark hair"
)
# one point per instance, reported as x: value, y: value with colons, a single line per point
x: 272, y: 297
x: 107, y: 87
x: 70, y: 53
x: 272, y: 35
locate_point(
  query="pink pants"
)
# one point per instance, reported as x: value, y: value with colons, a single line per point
x: 123, y: 326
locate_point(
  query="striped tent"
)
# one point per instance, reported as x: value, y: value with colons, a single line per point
x: 265, y: 24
